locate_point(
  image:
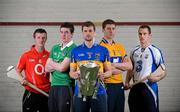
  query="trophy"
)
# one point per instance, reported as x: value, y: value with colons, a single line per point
x: 88, y: 82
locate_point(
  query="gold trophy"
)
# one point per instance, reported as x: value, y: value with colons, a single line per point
x: 88, y: 82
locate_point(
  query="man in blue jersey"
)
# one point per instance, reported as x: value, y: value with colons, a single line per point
x: 90, y: 51
x: 148, y: 64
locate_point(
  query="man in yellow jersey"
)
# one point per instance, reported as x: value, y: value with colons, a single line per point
x: 120, y: 62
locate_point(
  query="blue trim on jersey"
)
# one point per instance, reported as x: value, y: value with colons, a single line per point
x: 83, y: 53
x: 101, y: 90
x: 154, y: 65
x: 153, y: 85
x: 162, y: 58
x: 76, y: 89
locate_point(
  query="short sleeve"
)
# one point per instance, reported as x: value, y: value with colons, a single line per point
x: 68, y: 54
x: 51, y: 53
x: 22, y: 62
x: 123, y: 50
x: 69, y: 51
x: 107, y: 57
x: 73, y: 59
x: 159, y: 57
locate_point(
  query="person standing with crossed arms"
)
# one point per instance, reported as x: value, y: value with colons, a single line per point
x: 58, y: 64
x: 120, y: 62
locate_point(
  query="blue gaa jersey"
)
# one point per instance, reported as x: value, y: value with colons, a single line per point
x: 146, y: 61
x: 97, y: 54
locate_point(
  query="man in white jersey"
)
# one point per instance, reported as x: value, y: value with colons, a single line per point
x: 146, y: 59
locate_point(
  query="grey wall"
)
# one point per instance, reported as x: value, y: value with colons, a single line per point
x: 96, y: 10
x: 16, y: 39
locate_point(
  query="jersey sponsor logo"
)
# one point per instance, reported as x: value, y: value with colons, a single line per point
x: 62, y: 54
x: 136, y: 55
x: 57, y: 55
x: 97, y: 56
x: 146, y: 56
x: 40, y: 61
x: 44, y: 56
x: 31, y: 60
x: 139, y: 66
x: 39, y: 69
x: 115, y: 60
x: 82, y: 54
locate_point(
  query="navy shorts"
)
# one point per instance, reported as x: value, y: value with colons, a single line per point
x: 141, y: 99
x: 116, y: 97
x: 95, y: 105
x: 60, y: 99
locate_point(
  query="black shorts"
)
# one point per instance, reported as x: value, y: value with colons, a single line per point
x: 141, y: 99
x: 33, y: 102
x: 116, y: 97
x: 60, y: 99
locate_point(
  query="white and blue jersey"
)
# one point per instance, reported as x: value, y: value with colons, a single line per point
x: 146, y: 61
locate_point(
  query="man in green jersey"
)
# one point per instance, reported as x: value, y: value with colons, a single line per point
x: 58, y: 64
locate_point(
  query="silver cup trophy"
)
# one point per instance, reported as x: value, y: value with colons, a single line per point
x: 88, y: 82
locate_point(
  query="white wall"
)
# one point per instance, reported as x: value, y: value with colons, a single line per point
x: 16, y: 39
x: 95, y: 10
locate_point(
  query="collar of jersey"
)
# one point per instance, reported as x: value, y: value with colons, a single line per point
x: 144, y: 48
x: 105, y: 41
x: 34, y: 50
x: 67, y: 45
x: 84, y: 45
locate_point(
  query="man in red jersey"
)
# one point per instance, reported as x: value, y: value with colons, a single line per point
x: 33, y: 63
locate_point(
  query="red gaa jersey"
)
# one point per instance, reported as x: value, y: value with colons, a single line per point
x: 33, y: 63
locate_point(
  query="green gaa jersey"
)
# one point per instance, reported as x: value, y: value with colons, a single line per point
x: 58, y: 54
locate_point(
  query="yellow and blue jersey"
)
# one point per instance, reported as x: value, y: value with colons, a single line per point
x: 97, y: 54
x: 117, y: 53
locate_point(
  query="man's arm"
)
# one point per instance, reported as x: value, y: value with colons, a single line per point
x: 73, y: 73
x: 52, y: 65
x: 20, y: 76
x: 107, y: 71
x: 129, y: 76
x: 125, y: 65
x: 115, y: 70
x: 159, y: 74
x: 48, y: 66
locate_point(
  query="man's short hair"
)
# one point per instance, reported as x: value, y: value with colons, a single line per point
x: 145, y: 27
x: 108, y: 21
x: 88, y: 24
x: 68, y: 25
x: 39, y: 30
